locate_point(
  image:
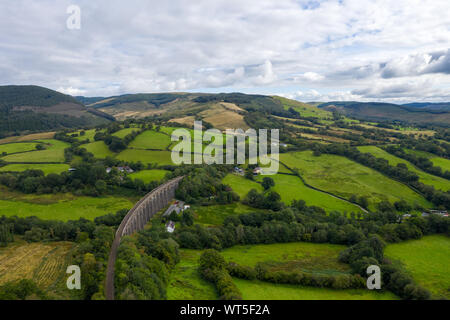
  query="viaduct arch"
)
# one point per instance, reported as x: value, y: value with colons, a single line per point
x: 135, y: 220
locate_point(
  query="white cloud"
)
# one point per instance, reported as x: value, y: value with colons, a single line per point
x: 149, y: 46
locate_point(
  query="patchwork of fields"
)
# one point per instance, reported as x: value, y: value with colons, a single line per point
x: 343, y: 177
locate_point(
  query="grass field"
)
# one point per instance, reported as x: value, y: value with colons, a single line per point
x: 343, y: 177
x: 54, y: 153
x: 151, y: 140
x: 427, y: 260
x: 124, y: 132
x: 45, y: 263
x: 258, y: 290
x: 214, y: 215
x: 303, y: 256
x: 149, y: 175
x: 305, y: 110
x: 426, y: 178
x: 88, y: 135
x: 29, y: 137
x: 60, y: 206
x: 46, y: 168
x: 146, y: 156
x: 17, y: 147
x: 292, y: 188
x: 437, y: 161
x: 186, y: 282
x: 99, y: 149
x: 241, y: 185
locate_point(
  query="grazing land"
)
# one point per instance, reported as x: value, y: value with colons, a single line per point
x: 62, y: 207
x: 437, y: 161
x: 124, y: 132
x: 258, y: 290
x: 53, y: 154
x: 151, y: 140
x: 215, y: 215
x: 241, y: 185
x: 99, y: 149
x: 17, y: 147
x: 292, y: 188
x: 146, y: 156
x: 426, y: 178
x: 149, y: 175
x: 343, y: 177
x: 46, y: 168
x: 427, y: 260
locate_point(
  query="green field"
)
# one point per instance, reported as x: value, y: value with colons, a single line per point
x: 304, y: 109
x: 303, y: 256
x: 17, y: 147
x: 149, y: 175
x: 54, y: 153
x: 59, y: 207
x: 437, y: 161
x: 151, y: 140
x: 427, y: 260
x: 124, y: 132
x: 214, y: 215
x: 89, y: 135
x: 146, y: 156
x: 186, y: 282
x: 99, y: 149
x: 241, y: 185
x: 258, y: 290
x: 292, y: 188
x: 343, y: 177
x: 46, y: 168
x: 425, y: 178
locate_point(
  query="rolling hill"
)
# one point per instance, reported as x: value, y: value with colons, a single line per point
x: 376, y: 111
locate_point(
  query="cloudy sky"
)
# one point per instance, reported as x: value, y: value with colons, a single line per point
x: 396, y: 51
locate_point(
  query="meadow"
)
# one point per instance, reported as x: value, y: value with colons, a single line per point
x: 124, y: 132
x: 343, y: 177
x: 292, y: 188
x: 437, y: 161
x: 241, y: 185
x: 149, y: 175
x: 151, y: 140
x: 88, y: 135
x: 46, y: 168
x: 99, y: 149
x: 54, y: 153
x: 425, y: 178
x: 215, y: 215
x: 146, y: 156
x: 17, y: 147
x: 258, y: 290
x: 62, y: 207
x: 427, y: 260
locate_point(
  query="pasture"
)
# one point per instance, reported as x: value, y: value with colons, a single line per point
x: 62, y: 207
x: 149, y: 175
x: 437, y: 161
x: 146, y: 156
x: 46, y: 168
x: 241, y: 185
x: 292, y: 188
x: 343, y: 177
x: 258, y: 290
x: 151, y: 140
x: 99, y: 149
x: 425, y: 178
x: 427, y: 260
x: 215, y: 215
x: 17, y: 147
x: 124, y: 132
x: 54, y: 153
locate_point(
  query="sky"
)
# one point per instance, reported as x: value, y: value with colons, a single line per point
x: 393, y: 51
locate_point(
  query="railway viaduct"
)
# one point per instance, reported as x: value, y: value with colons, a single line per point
x: 135, y: 221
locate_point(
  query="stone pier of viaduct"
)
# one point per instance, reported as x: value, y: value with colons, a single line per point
x: 135, y: 220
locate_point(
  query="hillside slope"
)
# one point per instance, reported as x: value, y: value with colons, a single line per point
x: 33, y: 108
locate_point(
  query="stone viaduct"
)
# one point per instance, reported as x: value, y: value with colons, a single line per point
x: 135, y: 220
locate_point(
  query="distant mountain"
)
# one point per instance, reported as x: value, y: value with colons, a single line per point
x: 34, y: 108
x: 375, y: 111
x: 442, y: 106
